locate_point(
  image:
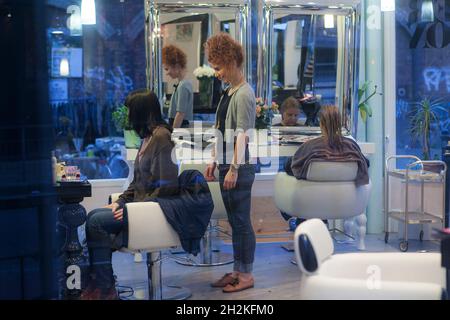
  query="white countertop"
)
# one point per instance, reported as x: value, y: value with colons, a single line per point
x: 184, y: 152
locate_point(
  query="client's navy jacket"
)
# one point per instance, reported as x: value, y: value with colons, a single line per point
x: 189, y: 212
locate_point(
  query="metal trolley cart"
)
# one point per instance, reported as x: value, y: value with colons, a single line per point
x: 414, y: 173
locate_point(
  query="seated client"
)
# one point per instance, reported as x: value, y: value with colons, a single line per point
x: 290, y: 111
x: 155, y: 175
x: 330, y: 146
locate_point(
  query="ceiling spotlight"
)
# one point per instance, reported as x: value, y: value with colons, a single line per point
x: 387, y: 5
x: 427, y: 12
x: 88, y: 12
x: 329, y: 21
x: 64, y: 69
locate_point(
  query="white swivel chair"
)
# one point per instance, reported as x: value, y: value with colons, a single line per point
x: 329, y: 192
x: 363, y: 276
x: 208, y: 256
x: 148, y: 231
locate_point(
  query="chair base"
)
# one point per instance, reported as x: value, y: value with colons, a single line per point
x: 158, y: 291
x: 214, y: 259
x: 173, y: 292
x: 350, y: 239
x: 177, y: 251
x: 170, y: 292
x: 289, y: 247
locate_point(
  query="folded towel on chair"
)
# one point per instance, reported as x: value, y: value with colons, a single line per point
x: 190, y: 211
x: 319, y: 150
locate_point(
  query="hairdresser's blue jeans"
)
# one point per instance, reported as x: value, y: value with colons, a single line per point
x: 237, y: 202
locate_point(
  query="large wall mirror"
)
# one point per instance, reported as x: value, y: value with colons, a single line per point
x: 188, y: 24
x: 309, y: 51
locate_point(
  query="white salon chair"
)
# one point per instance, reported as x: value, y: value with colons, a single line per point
x: 149, y: 232
x: 363, y: 276
x: 208, y: 256
x: 329, y: 192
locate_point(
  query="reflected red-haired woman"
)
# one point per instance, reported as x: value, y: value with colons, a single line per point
x: 174, y: 61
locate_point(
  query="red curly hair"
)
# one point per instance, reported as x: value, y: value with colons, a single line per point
x: 222, y: 49
x: 173, y: 56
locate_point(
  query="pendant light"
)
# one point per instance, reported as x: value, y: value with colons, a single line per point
x: 74, y: 22
x: 427, y: 12
x: 88, y: 12
x: 64, y: 69
x: 329, y: 21
x: 387, y: 5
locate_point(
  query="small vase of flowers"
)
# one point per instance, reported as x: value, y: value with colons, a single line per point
x: 205, y: 76
x: 265, y: 113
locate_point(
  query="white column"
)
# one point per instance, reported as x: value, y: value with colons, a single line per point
x: 389, y: 83
x: 374, y: 65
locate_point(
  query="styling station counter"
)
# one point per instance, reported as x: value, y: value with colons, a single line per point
x: 267, y: 152
x: 267, y: 155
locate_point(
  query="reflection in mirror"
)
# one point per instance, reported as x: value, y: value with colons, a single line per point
x: 304, y: 63
x: 228, y: 26
x: 188, y: 25
x: 189, y: 32
x: 312, y: 54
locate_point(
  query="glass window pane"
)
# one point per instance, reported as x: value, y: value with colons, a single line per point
x: 92, y: 68
x: 423, y: 77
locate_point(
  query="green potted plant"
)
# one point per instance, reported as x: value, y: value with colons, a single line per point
x: 120, y: 118
x: 363, y: 103
x: 422, y: 117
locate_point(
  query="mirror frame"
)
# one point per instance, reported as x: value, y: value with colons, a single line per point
x: 351, y: 11
x: 154, y: 8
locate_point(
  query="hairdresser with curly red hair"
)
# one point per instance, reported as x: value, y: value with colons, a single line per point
x: 235, y: 115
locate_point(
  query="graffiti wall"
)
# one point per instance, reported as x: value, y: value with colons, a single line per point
x: 423, y: 70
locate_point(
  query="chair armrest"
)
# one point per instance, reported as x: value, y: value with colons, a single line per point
x: 328, y: 288
x: 395, y: 266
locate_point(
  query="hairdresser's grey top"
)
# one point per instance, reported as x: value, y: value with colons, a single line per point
x: 241, y: 114
x: 182, y: 100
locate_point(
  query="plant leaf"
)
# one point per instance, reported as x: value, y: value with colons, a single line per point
x: 366, y: 85
x: 360, y: 94
x: 362, y: 90
x: 363, y: 113
x: 365, y: 110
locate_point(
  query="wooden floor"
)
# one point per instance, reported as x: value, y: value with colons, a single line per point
x: 276, y: 278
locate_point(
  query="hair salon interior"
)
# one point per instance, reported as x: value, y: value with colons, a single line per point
x: 115, y: 184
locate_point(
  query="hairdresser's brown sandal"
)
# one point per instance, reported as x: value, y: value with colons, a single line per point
x: 224, y: 281
x: 239, y: 285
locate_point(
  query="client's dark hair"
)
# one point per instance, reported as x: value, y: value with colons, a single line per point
x: 144, y: 112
